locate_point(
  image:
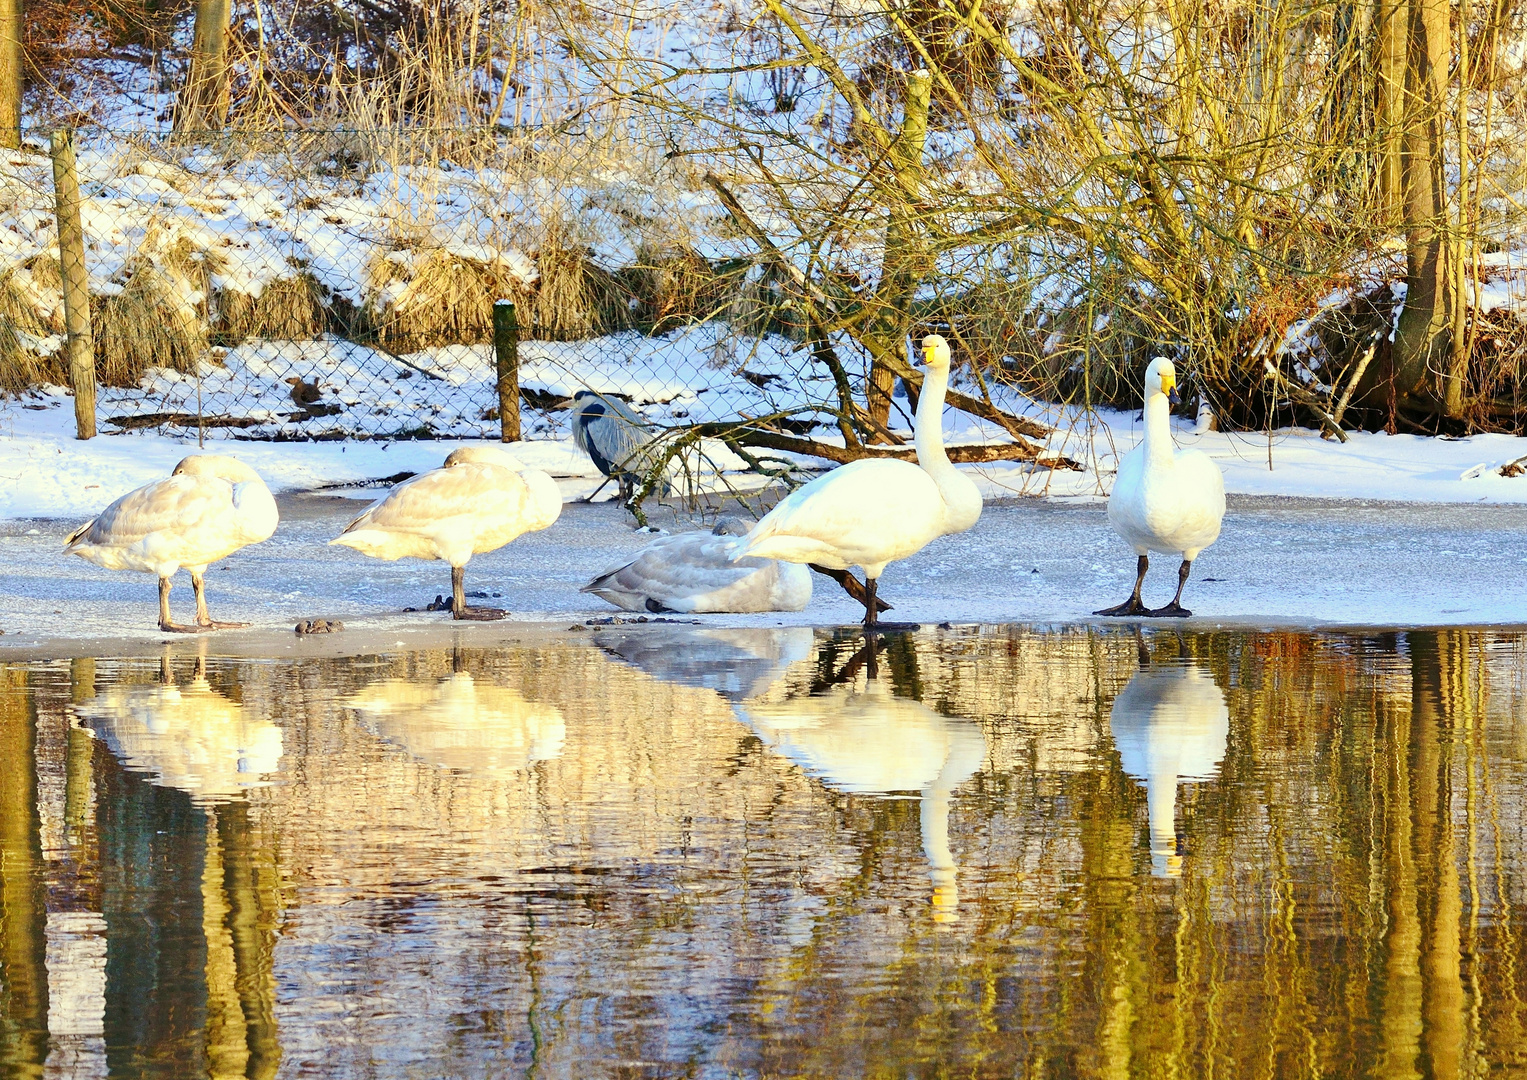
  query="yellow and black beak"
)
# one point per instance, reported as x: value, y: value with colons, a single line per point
x: 928, y: 354
x: 1169, y: 386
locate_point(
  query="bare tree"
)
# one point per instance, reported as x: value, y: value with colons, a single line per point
x: 203, y: 104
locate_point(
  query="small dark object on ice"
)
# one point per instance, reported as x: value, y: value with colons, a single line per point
x: 319, y: 626
x: 439, y: 603
x: 576, y: 626
x: 480, y: 595
x: 616, y: 620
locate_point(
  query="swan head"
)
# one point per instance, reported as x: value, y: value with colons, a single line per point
x: 935, y: 352
x: 731, y: 526
x: 219, y: 465
x: 484, y: 455
x: 1161, y: 378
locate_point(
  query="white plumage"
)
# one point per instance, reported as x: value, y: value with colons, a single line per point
x: 460, y: 723
x: 694, y: 572
x: 873, y: 512
x: 871, y: 743
x: 1169, y: 724
x: 189, y: 737
x: 479, y: 501
x: 208, y: 508
x: 1164, y: 499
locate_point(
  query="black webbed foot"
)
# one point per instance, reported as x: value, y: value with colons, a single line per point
x: 1132, y: 606
x: 1174, y: 610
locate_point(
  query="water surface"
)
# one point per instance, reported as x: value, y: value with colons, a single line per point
x: 665, y: 851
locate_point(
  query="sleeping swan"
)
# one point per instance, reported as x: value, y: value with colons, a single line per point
x: 1164, y: 499
x: 694, y: 572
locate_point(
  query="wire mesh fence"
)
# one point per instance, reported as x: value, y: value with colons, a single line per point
x: 292, y: 286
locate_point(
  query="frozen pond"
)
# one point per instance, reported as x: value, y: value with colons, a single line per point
x: 674, y: 850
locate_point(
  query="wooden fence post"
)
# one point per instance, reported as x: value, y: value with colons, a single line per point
x: 506, y: 350
x: 71, y: 266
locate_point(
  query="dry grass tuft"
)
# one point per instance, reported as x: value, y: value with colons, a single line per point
x: 287, y: 309
x: 574, y: 297
x: 31, y: 307
x: 672, y: 286
x: 425, y: 298
x: 158, y: 318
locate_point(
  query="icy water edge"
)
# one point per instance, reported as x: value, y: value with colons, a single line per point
x: 682, y: 851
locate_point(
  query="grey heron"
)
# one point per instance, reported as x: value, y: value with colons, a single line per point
x: 616, y: 437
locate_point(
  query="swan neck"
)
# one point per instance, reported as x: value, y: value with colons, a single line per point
x: 928, y: 427
x: 1158, y: 427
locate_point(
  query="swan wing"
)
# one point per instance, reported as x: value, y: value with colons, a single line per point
x: 873, y: 511
x: 180, y: 520
x: 446, y: 513
x: 689, y: 572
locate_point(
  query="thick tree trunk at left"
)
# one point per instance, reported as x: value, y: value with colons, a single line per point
x: 1421, y: 337
x: 11, y: 80
x: 203, y: 104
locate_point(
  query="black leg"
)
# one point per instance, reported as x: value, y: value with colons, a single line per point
x: 871, y: 612
x: 1132, y: 606
x: 165, y: 622
x: 459, y: 608
x: 203, y: 619
x: 851, y: 584
x: 1175, y: 610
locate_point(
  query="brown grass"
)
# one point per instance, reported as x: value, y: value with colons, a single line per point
x: 152, y: 322
x: 31, y: 302
x: 287, y: 309
x: 435, y: 298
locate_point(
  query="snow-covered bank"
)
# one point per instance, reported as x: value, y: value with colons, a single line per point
x: 46, y: 473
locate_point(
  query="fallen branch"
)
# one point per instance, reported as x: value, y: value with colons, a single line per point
x: 148, y: 420
x: 960, y: 455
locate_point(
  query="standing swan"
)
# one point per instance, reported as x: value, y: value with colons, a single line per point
x: 208, y: 508
x: 479, y: 501
x: 872, y: 512
x: 1164, y: 499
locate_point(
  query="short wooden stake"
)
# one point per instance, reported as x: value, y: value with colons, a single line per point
x: 506, y: 350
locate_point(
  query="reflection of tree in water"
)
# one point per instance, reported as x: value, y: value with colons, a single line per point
x: 23, y: 913
x: 1351, y: 903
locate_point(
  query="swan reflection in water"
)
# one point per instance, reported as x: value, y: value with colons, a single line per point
x: 735, y: 662
x: 187, y: 736
x: 462, y: 723
x: 1169, y: 725
x: 869, y: 742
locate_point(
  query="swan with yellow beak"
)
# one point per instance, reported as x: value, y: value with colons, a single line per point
x: 875, y: 511
x: 1164, y: 499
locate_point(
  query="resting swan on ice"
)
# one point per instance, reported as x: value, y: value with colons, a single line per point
x: 208, y: 508
x: 872, y: 512
x: 694, y: 572
x: 479, y: 501
x: 1164, y: 499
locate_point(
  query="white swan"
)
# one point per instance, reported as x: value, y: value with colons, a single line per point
x: 872, y: 512
x: 736, y: 662
x: 479, y: 501
x: 1164, y: 499
x: 871, y: 743
x: 460, y: 723
x: 1169, y: 724
x: 208, y: 508
x: 189, y: 737
x: 694, y: 572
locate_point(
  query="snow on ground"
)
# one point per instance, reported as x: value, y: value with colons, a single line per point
x: 1279, y: 562
x: 46, y: 473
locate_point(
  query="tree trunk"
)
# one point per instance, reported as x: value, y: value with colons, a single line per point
x: 1389, y: 25
x: 204, y: 98
x: 1420, y: 337
x: 11, y: 80
x: 900, y: 269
